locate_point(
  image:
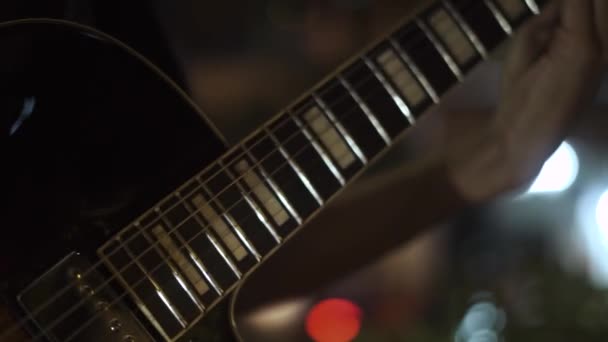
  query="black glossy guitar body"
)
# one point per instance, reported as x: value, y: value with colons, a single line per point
x: 92, y: 136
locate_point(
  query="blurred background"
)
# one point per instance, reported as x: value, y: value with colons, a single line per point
x: 531, y: 266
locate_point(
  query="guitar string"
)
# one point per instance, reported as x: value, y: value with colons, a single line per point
x: 167, y: 258
x: 247, y: 217
x: 346, y: 96
x: 271, y: 152
x: 183, y: 246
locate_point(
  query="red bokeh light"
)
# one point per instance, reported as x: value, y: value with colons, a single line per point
x: 334, y: 320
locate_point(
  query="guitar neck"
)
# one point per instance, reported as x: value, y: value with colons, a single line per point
x: 182, y: 256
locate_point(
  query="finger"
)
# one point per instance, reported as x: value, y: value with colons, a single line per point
x: 530, y: 42
x: 577, y: 19
x: 601, y: 22
x: 576, y: 41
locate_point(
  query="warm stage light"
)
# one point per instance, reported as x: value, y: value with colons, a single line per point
x: 334, y: 320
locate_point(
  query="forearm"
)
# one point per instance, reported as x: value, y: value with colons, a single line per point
x: 365, y: 223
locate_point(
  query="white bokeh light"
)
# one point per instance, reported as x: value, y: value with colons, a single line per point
x: 592, y: 215
x: 601, y: 216
x: 559, y: 171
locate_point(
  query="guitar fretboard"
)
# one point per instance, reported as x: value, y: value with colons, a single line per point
x: 187, y: 252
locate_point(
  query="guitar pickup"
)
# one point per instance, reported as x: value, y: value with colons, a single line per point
x: 72, y: 301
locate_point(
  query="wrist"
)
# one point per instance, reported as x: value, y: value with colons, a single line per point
x: 487, y: 166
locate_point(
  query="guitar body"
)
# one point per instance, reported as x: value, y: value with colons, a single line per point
x: 94, y: 136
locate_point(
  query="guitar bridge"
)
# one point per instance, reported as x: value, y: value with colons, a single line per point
x: 81, y: 308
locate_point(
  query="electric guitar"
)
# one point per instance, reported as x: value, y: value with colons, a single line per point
x: 96, y: 135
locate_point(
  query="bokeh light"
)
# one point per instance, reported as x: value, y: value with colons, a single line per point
x: 559, y: 171
x: 601, y: 216
x: 483, y: 322
x: 334, y: 320
x: 592, y: 215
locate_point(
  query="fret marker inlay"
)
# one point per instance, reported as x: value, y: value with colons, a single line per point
x: 220, y: 227
x: 438, y: 45
x: 405, y: 110
x: 185, y: 254
x: 326, y: 159
x: 180, y: 259
x: 329, y: 137
x: 455, y: 39
x: 262, y: 192
x: 403, y: 78
x: 298, y: 171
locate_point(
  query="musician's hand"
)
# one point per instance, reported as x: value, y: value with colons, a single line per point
x: 551, y: 75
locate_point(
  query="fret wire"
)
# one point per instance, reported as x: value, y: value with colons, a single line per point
x: 339, y: 99
x: 349, y: 140
x: 258, y: 162
x: 202, y: 224
x: 165, y: 300
x: 288, y: 139
x: 403, y: 107
x: 335, y: 102
x: 502, y: 20
x: 418, y: 40
x: 198, y: 263
x: 180, y: 319
x: 193, y: 255
x: 361, y: 82
x: 327, y: 135
x: 257, y: 210
x: 56, y: 296
x: 315, y: 144
x: 277, y: 191
x: 215, y: 243
x: 260, y: 215
x: 219, y: 249
x: 192, y: 296
x: 243, y: 238
x: 218, y: 221
x: 185, y: 269
x: 300, y: 174
x: 224, y: 255
x: 130, y: 290
x: 447, y: 57
x: 195, y: 217
x: 533, y: 6
x: 152, y: 319
x: 220, y: 229
x: 466, y: 28
x: 366, y: 110
x: 232, y: 223
x: 271, y: 203
x: 173, y: 269
x: 405, y: 58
